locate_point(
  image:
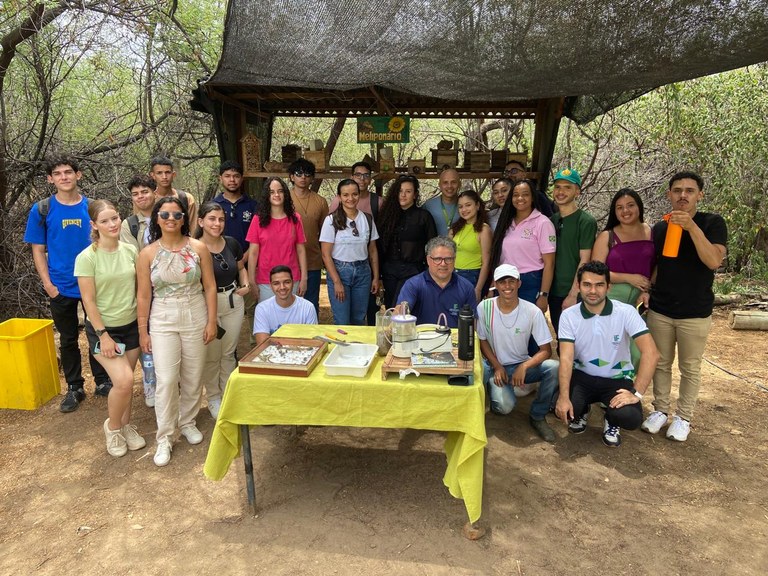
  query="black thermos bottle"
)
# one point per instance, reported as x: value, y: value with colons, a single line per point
x: 466, y: 334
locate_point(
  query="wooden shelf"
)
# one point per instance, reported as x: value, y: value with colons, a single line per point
x: 385, y: 176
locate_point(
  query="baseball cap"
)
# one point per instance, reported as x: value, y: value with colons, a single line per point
x: 570, y: 175
x: 506, y: 270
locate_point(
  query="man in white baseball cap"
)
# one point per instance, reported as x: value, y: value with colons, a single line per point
x: 504, y: 326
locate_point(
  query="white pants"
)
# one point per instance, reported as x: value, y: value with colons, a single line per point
x: 177, y: 327
x: 220, y: 354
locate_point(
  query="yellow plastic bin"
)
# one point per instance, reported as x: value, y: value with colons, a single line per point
x: 30, y: 374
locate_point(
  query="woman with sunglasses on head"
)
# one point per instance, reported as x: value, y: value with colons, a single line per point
x: 106, y: 275
x: 473, y: 238
x: 499, y: 193
x: 172, y: 273
x: 404, y: 230
x: 525, y: 238
x: 277, y: 238
x: 348, y: 245
x: 231, y: 286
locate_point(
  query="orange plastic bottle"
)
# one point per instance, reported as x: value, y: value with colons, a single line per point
x: 672, y: 239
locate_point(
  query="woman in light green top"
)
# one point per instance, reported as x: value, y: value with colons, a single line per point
x: 106, y: 274
x: 473, y: 238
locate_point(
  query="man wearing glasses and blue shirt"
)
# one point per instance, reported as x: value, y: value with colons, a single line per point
x: 438, y: 290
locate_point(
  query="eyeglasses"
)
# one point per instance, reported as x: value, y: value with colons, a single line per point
x: 353, y: 225
x: 222, y: 262
x: 512, y: 171
x: 362, y: 175
x: 301, y: 173
x: 443, y: 260
x: 164, y: 214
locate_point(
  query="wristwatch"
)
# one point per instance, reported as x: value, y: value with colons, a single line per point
x: 540, y: 294
x: 101, y: 332
x: 635, y: 392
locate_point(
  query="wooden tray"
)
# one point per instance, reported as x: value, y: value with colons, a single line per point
x: 394, y: 364
x: 252, y: 364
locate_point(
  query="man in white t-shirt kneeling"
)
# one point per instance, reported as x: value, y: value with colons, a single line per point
x: 283, y: 308
x: 505, y: 324
x: 595, y: 362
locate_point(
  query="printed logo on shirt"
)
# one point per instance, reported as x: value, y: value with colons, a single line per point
x: 247, y: 215
x: 552, y: 238
x: 616, y: 340
x: 527, y: 233
x: 72, y: 222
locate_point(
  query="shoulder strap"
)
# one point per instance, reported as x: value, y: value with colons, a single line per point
x: 43, y: 207
x: 233, y: 245
x: 369, y: 219
x: 133, y: 225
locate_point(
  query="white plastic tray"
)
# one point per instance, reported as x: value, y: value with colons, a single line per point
x: 353, y: 360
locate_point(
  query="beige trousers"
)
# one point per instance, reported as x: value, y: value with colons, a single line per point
x: 220, y: 359
x: 177, y: 326
x: 689, y: 336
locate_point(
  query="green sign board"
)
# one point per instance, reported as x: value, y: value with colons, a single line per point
x: 383, y: 129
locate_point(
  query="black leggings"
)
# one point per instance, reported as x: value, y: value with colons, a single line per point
x: 586, y: 389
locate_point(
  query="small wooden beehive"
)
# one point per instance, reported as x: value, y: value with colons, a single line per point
x: 417, y: 165
x: 442, y: 158
x: 520, y: 157
x: 250, y: 147
x: 290, y: 153
x: 498, y: 159
x: 318, y: 158
x: 475, y: 161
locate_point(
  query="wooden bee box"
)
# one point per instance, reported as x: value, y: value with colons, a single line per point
x: 417, y: 166
x: 250, y: 148
x: 319, y: 158
x: 499, y: 159
x: 521, y: 157
x: 477, y: 161
x: 441, y: 158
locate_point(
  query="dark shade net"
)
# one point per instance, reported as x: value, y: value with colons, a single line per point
x: 602, y: 54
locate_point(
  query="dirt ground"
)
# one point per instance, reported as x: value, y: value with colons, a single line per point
x: 369, y: 501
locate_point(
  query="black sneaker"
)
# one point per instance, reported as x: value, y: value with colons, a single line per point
x: 104, y: 388
x: 578, y: 425
x: 543, y: 428
x: 72, y: 400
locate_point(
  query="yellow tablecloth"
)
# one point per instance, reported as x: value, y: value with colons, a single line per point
x: 426, y: 403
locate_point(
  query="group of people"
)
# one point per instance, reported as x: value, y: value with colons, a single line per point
x: 199, y: 270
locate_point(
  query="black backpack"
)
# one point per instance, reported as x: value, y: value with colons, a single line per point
x: 44, y: 206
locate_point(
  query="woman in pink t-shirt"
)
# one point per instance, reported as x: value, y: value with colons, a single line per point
x: 276, y: 238
x: 525, y: 238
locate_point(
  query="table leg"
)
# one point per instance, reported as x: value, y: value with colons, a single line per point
x: 248, y: 460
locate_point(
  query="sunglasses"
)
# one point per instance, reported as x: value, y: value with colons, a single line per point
x: 353, y: 225
x: 222, y: 262
x: 301, y: 174
x: 444, y: 260
x: 165, y: 215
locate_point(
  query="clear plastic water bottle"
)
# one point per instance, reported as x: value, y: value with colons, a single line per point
x: 148, y: 366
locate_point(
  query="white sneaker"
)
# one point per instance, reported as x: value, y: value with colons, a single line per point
x: 654, y: 422
x: 116, y: 445
x: 149, y: 400
x: 213, y: 408
x: 163, y: 452
x: 192, y: 434
x: 611, y: 435
x: 133, y: 439
x: 525, y: 389
x: 679, y: 429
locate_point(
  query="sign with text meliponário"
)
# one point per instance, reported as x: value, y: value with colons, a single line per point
x: 383, y: 129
